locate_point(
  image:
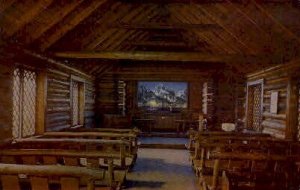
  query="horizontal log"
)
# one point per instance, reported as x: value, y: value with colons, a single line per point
x: 64, y: 83
x: 170, y: 26
x: 46, y: 170
x: 293, y: 64
x: 58, y: 86
x: 274, y: 124
x: 139, y: 55
x: 58, y: 64
x: 59, y: 152
x: 278, y: 80
x: 275, y: 86
x: 75, y: 141
x: 88, y: 134
x: 58, y: 100
x: 59, y: 109
x: 275, y: 133
x: 56, y: 72
x: 247, y: 156
x: 274, y: 116
x: 54, y: 127
x: 58, y: 123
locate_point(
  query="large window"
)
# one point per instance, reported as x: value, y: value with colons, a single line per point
x: 24, y: 103
x: 162, y: 95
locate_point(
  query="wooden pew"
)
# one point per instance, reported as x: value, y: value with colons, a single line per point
x: 132, y: 138
x: 265, y: 178
x: 39, y: 177
x: 110, y: 146
x: 235, y: 143
x: 206, y: 165
x: 113, y: 130
x: 196, y: 152
x: 112, y: 177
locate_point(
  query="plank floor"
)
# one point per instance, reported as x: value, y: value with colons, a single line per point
x: 164, y: 169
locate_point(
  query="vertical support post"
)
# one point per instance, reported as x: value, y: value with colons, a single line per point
x: 41, y: 102
x: 122, y: 155
x: 215, y: 174
x: 110, y: 172
x: 292, y: 109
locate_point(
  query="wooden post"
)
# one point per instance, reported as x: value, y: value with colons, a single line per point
x: 122, y: 156
x: 110, y: 172
x: 41, y: 102
x: 292, y: 109
x: 215, y: 174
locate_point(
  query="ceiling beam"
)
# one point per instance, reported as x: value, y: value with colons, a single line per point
x: 149, y: 55
x: 163, y: 26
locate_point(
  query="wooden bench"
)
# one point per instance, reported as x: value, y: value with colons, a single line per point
x: 271, y: 177
x: 130, y: 137
x: 235, y: 143
x: 90, y: 159
x: 108, y: 146
x: 23, y: 176
x: 237, y: 153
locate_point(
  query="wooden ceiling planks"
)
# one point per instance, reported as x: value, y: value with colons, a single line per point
x: 278, y: 23
x: 45, y: 20
x: 69, y: 22
x: 182, y: 17
x: 210, y: 28
x: 221, y: 22
x: 96, y: 36
x: 19, y: 14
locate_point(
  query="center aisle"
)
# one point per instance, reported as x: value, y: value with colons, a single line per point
x: 165, y: 169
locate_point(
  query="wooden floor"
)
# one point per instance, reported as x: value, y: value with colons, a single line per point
x: 164, y: 169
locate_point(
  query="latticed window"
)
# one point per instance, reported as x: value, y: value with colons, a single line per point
x: 254, y: 108
x: 24, y: 103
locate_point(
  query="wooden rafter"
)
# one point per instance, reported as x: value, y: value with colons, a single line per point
x: 222, y: 24
x: 45, y: 20
x: 17, y: 16
x: 279, y: 24
x: 68, y: 23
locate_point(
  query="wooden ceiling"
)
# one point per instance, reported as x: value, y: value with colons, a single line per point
x: 203, y: 31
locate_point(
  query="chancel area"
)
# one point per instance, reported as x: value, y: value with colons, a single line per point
x: 150, y: 94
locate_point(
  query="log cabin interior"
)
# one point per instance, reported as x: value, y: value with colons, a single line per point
x: 150, y: 94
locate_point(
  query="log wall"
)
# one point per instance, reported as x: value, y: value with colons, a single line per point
x: 108, y: 99
x: 279, y: 79
x: 59, y: 111
x: 57, y: 94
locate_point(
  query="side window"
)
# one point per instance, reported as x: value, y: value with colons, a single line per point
x: 254, y: 102
x: 24, y: 103
x: 77, y: 103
